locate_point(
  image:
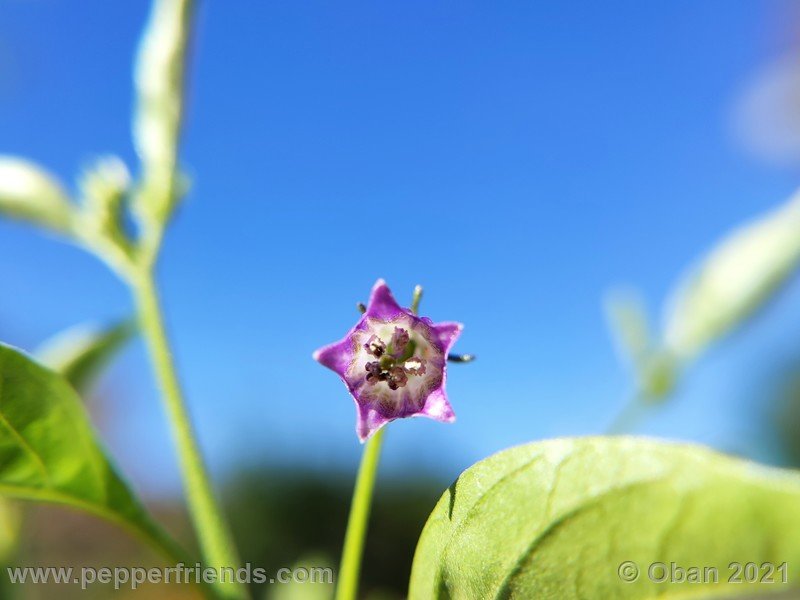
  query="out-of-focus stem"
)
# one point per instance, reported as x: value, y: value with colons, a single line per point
x: 216, y: 542
x: 629, y: 417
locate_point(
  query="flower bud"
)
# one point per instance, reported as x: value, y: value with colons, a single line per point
x: 104, y: 187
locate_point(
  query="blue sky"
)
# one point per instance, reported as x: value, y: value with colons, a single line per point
x: 515, y: 158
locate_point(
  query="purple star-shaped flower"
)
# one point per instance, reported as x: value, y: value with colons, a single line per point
x: 393, y: 363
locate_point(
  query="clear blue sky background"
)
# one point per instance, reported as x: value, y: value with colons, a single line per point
x: 515, y: 158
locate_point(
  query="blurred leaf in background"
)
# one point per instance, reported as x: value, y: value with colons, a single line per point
x: 80, y: 353
x: 735, y: 279
x: 30, y: 193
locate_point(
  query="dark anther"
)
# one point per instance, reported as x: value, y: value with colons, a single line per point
x: 415, y: 366
x: 375, y: 346
x: 374, y: 372
x: 397, y: 378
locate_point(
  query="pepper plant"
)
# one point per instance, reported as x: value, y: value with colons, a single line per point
x: 566, y: 518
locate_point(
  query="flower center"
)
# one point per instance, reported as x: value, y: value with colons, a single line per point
x: 395, y: 361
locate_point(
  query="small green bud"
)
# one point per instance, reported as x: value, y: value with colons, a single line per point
x: 104, y: 188
x: 106, y: 183
x: 100, y: 225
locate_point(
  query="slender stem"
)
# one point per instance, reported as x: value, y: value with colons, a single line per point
x: 216, y: 543
x: 629, y: 417
x: 350, y: 568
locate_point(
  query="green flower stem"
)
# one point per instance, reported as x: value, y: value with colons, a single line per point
x: 350, y: 568
x: 216, y: 543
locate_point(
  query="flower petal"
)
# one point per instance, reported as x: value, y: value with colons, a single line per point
x: 437, y: 407
x: 382, y: 304
x: 369, y: 421
x: 446, y: 334
x: 336, y: 356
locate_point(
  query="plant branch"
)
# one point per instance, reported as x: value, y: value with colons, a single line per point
x: 215, y: 539
x: 629, y: 417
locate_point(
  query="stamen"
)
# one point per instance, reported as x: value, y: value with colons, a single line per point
x: 400, y: 339
x: 374, y: 372
x: 414, y: 366
x: 397, y: 378
x: 375, y: 346
x: 395, y: 361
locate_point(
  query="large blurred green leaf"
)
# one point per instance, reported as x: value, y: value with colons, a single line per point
x: 80, y: 353
x: 556, y: 519
x: 49, y: 451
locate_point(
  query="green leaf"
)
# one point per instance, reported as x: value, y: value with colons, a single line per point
x: 80, y: 353
x: 736, y: 278
x: 29, y: 193
x: 556, y: 519
x: 49, y: 451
